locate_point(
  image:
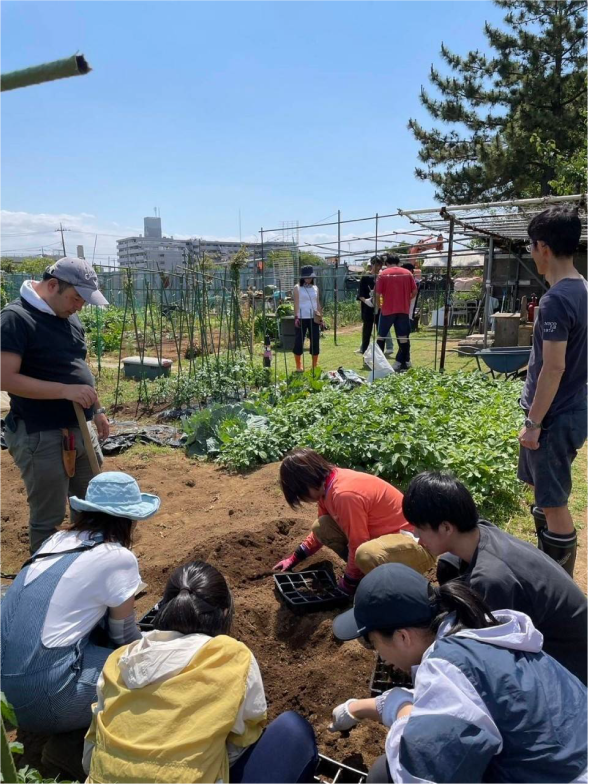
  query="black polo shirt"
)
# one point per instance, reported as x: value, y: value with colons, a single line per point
x: 52, y: 349
x: 512, y: 574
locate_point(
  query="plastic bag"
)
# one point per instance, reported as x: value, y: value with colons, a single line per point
x: 382, y: 367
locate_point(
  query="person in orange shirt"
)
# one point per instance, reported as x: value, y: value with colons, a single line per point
x: 360, y: 518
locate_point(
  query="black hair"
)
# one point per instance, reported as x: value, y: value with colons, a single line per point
x: 196, y: 600
x: 114, y: 529
x: 302, y: 470
x: 376, y: 260
x: 409, y: 266
x: 559, y: 227
x: 434, y: 497
x: 469, y: 609
x: 62, y: 285
x: 391, y: 258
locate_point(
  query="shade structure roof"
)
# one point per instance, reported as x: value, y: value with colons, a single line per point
x: 505, y: 222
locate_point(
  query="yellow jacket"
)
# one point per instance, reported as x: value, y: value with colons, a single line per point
x: 174, y: 708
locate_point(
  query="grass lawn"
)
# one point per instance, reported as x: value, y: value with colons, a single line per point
x: 422, y: 345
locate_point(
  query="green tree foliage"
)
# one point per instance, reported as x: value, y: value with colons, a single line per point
x: 308, y: 258
x: 500, y: 113
x: 31, y: 265
x: 400, y: 248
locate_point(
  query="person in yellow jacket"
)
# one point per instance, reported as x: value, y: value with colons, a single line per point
x: 186, y: 703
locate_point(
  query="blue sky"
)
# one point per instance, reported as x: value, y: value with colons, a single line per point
x: 283, y: 110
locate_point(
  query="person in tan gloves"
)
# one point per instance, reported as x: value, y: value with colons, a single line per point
x: 360, y: 518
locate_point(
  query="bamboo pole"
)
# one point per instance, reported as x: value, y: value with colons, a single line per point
x: 47, y: 72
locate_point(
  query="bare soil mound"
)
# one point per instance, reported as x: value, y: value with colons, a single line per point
x: 242, y: 525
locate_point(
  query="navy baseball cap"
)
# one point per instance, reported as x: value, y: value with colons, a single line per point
x: 392, y: 596
x: 81, y: 275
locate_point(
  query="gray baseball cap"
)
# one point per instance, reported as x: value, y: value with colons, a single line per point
x: 80, y: 274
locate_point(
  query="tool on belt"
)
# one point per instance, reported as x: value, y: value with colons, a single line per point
x: 83, y: 425
x: 68, y: 451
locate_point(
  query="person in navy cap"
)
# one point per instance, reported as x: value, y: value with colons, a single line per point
x: 44, y: 371
x: 487, y: 703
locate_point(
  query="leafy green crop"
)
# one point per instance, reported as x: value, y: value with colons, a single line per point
x: 399, y: 426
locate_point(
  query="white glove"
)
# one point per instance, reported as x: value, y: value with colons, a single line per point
x: 394, y: 699
x: 369, y: 302
x: 342, y: 718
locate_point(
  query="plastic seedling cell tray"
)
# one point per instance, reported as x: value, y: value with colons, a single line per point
x: 309, y: 591
x: 146, y: 622
x: 328, y: 770
x: 386, y: 676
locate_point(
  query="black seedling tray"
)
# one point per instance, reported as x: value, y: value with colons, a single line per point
x: 146, y: 622
x: 310, y: 591
x: 386, y: 676
x: 328, y: 770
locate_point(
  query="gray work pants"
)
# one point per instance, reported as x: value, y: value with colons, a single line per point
x: 39, y: 460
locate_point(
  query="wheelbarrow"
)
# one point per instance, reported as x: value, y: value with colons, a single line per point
x: 505, y: 361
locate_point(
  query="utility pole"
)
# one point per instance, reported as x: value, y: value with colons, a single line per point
x: 63, y: 244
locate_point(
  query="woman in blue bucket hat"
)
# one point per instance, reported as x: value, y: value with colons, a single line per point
x: 71, y: 604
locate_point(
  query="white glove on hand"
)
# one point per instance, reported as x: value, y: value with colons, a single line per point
x: 369, y: 302
x: 342, y: 719
x: 394, y: 699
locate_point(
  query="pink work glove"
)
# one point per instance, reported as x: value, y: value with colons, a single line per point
x: 348, y: 584
x: 286, y: 564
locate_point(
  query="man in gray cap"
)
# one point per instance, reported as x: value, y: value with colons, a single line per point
x: 44, y: 371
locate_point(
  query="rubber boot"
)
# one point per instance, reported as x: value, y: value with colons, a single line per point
x: 298, y: 360
x: 540, y: 520
x: 561, y: 547
x: 314, y: 361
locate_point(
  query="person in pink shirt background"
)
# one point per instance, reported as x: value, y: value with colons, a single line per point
x: 397, y: 290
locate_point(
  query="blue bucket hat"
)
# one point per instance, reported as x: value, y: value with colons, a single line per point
x: 116, y: 494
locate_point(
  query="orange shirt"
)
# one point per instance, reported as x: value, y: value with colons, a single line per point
x: 365, y: 507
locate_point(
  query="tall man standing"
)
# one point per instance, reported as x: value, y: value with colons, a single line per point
x: 397, y: 288
x: 44, y: 371
x: 555, y: 396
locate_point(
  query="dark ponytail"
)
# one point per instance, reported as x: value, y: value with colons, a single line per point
x: 196, y: 600
x: 471, y: 612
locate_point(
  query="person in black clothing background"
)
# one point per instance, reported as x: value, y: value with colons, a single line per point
x: 366, y: 287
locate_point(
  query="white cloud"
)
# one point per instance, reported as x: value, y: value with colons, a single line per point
x: 27, y: 232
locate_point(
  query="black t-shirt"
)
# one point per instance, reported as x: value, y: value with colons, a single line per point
x: 514, y: 575
x: 52, y: 349
x: 366, y: 287
x: 563, y: 316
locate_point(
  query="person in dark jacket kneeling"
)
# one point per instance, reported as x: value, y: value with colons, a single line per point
x: 487, y: 703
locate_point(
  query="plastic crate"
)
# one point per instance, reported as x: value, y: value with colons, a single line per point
x: 328, y: 770
x: 146, y: 622
x: 386, y: 676
x: 310, y: 591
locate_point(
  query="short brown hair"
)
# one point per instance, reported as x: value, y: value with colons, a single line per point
x: 302, y: 470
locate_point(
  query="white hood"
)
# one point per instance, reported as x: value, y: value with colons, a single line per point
x: 516, y: 631
x: 157, y: 656
x: 29, y: 294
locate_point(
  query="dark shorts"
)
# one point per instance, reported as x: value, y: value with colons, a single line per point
x: 399, y: 321
x: 548, y: 468
x: 307, y: 327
